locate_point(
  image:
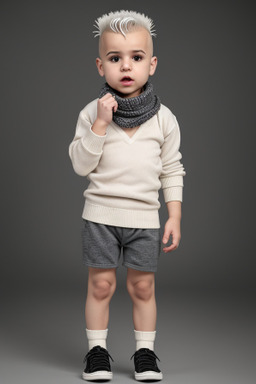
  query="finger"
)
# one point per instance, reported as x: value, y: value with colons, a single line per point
x: 115, y: 107
x: 111, y: 100
x: 107, y: 96
x: 108, y: 104
x: 172, y: 247
x: 112, y: 103
x: 166, y: 237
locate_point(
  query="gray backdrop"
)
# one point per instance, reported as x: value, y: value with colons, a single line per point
x: 205, y: 75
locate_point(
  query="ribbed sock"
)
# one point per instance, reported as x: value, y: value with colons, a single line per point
x: 145, y: 339
x: 97, y: 338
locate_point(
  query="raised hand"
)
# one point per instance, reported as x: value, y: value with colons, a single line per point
x: 105, y: 108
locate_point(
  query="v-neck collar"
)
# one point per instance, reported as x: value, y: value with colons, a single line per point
x: 127, y: 138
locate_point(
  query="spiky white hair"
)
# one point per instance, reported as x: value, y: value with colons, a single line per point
x: 122, y: 22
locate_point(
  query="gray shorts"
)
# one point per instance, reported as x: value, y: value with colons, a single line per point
x: 102, y: 245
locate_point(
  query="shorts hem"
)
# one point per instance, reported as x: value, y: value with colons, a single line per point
x: 138, y: 268
x: 104, y: 266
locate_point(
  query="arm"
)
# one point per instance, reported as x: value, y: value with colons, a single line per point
x: 86, y: 148
x: 172, y: 183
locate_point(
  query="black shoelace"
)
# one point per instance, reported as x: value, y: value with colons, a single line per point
x: 145, y: 359
x: 99, y: 357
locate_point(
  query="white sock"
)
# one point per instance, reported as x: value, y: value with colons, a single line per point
x: 145, y: 339
x: 97, y: 338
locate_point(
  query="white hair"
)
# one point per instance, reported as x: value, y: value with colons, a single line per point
x: 123, y: 22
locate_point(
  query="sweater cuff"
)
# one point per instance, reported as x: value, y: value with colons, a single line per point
x: 173, y: 194
x: 92, y: 142
x: 172, y: 188
x: 173, y: 181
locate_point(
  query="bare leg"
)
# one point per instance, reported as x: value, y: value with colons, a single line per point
x: 141, y: 287
x: 101, y: 287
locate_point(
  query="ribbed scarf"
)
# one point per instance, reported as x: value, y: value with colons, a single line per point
x: 134, y: 111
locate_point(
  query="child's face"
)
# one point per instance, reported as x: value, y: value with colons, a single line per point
x: 126, y: 62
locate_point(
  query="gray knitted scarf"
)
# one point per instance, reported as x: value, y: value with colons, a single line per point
x: 134, y: 111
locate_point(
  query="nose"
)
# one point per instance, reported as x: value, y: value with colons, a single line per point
x: 126, y: 65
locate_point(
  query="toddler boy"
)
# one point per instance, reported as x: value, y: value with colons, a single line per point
x: 127, y: 144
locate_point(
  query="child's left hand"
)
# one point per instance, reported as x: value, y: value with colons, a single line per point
x: 172, y: 227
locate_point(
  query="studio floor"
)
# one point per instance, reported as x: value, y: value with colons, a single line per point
x: 203, y: 337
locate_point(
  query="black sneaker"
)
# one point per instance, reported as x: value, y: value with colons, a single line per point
x: 97, y: 364
x: 146, y: 366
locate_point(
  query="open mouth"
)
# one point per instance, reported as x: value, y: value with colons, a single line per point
x: 126, y: 80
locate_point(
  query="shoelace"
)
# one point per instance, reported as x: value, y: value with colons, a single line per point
x: 98, y: 357
x: 146, y: 358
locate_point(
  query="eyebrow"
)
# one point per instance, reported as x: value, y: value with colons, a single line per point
x: 118, y: 52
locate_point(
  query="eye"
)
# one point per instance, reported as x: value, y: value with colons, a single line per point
x: 137, y: 58
x: 114, y: 59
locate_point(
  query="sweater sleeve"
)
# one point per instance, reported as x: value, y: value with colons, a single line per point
x: 86, y: 148
x: 172, y: 170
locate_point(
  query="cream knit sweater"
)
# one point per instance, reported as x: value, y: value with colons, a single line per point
x: 125, y: 172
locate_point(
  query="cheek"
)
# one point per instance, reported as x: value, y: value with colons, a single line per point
x: 145, y: 70
x: 109, y: 71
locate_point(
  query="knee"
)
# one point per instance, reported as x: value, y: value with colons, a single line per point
x: 142, y: 289
x: 102, y: 289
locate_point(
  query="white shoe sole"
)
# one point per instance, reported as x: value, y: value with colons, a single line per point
x: 148, y: 375
x: 100, y: 375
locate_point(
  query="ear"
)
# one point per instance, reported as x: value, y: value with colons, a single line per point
x: 100, y: 66
x: 153, y: 65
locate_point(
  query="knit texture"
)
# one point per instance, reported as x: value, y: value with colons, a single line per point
x: 134, y: 111
x: 125, y: 172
